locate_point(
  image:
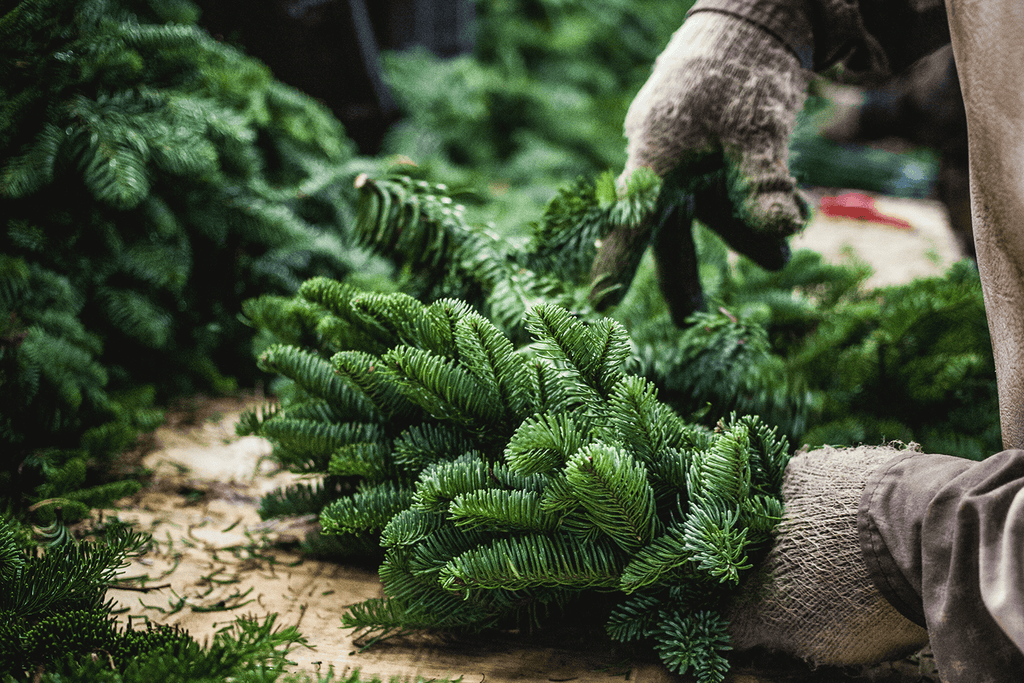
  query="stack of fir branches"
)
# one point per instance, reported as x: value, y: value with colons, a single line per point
x: 494, y: 450
x: 507, y: 484
x: 502, y: 449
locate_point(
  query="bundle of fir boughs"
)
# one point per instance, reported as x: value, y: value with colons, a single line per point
x: 507, y: 471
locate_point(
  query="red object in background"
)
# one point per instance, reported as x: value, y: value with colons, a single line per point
x: 859, y: 207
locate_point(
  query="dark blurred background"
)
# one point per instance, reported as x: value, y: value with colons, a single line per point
x: 904, y: 137
x: 331, y: 49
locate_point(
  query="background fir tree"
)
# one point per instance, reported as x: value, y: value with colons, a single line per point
x: 153, y: 178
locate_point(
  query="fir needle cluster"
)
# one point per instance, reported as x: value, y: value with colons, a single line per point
x: 506, y: 483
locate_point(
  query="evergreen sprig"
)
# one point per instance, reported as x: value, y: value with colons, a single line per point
x: 909, y: 363
x: 56, y: 624
x: 420, y: 227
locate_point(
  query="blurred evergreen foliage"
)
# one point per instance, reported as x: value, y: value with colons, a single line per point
x: 544, y: 95
x: 542, y: 98
x: 813, y: 160
x: 908, y: 363
x: 152, y: 179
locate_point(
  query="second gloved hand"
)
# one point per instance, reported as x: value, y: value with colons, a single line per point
x: 714, y: 119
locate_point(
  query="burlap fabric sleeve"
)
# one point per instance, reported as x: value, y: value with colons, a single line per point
x: 812, y: 596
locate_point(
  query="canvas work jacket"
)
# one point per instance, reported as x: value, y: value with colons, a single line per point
x: 943, y: 540
x: 942, y: 537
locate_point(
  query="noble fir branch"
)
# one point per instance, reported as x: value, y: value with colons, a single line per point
x: 422, y: 229
x: 304, y: 498
x: 635, y: 618
x: 307, y: 445
x: 502, y: 511
x: 411, y: 572
x: 768, y: 451
x: 492, y: 360
x: 566, y: 238
x: 720, y: 359
x: 364, y: 374
x: 415, y: 222
x: 722, y: 472
x: 368, y: 510
x: 425, y: 444
x: 716, y: 543
x: 529, y: 476
x: 369, y: 460
x: 572, y: 346
x: 314, y: 376
x: 401, y: 319
x: 429, y: 555
x: 666, y: 556
x: 440, y: 483
x: 447, y: 392
x: 411, y: 526
x: 612, y: 489
x: 543, y: 443
x: 376, y: 619
x: 697, y: 641
x: 645, y: 423
x: 534, y: 561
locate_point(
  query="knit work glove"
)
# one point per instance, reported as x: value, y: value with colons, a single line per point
x: 812, y: 596
x: 715, y: 116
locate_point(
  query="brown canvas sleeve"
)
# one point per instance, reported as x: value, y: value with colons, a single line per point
x: 943, y: 540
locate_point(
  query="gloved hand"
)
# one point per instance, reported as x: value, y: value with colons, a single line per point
x: 812, y: 596
x: 715, y: 118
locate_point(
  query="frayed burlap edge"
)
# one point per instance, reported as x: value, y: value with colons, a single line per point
x: 812, y: 597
